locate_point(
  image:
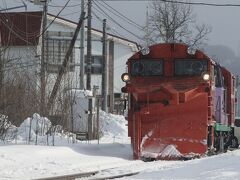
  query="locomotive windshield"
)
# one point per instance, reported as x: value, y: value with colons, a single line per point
x: 147, y: 68
x: 190, y: 67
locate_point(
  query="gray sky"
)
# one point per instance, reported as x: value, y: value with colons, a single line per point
x: 223, y: 20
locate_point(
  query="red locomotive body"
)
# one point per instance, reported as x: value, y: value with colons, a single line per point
x: 181, y: 103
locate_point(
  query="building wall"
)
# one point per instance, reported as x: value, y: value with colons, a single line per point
x: 26, y: 60
x: 21, y: 59
x: 121, y: 54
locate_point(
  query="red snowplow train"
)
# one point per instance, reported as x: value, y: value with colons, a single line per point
x: 181, y: 103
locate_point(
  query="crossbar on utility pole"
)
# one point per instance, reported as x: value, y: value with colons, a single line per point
x: 65, y: 63
x: 104, y: 67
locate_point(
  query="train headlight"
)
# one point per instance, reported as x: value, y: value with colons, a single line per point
x: 125, y: 77
x: 191, y: 50
x: 206, y: 76
x: 145, y: 50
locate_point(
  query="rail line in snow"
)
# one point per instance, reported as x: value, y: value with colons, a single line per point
x: 90, y: 176
x: 71, y: 176
x: 121, y: 170
x: 115, y: 176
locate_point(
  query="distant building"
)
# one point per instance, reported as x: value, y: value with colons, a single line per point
x: 20, y: 41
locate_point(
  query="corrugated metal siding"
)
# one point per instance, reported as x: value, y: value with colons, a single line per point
x: 20, y: 28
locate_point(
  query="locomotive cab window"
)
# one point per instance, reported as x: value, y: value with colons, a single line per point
x: 190, y: 67
x: 147, y: 68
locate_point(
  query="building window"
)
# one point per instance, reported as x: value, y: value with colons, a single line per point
x: 56, y: 45
x: 96, y: 65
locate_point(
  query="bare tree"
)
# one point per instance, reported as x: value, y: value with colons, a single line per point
x: 174, y: 22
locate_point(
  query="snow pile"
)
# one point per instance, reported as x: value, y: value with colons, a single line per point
x: 31, y: 127
x: 170, y: 151
x: 39, y: 130
x: 113, y: 125
x: 152, y: 148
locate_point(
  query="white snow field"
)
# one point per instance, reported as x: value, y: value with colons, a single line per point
x: 18, y: 160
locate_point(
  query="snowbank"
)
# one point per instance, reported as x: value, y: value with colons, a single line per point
x: 113, y: 125
x: 39, y: 130
x: 31, y: 127
x: 32, y: 162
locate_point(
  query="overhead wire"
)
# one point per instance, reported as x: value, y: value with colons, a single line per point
x: 19, y: 33
x: 120, y: 15
x: 75, y: 12
x: 55, y: 17
x: 115, y: 22
x: 108, y: 26
x: 182, y: 2
x: 69, y: 6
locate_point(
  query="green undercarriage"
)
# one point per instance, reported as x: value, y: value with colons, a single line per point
x: 220, y: 127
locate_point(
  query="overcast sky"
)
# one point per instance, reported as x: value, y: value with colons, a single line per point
x: 223, y: 20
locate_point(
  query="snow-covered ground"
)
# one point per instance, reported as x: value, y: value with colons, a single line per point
x: 22, y: 161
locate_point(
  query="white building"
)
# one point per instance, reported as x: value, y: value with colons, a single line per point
x: 21, y: 31
x: 119, y: 50
x: 20, y: 43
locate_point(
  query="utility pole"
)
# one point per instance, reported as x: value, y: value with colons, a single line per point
x: 82, y: 51
x: 104, y: 67
x: 42, y: 70
x: 64, y: 64
x: 89, y: 68
x: 111, y: 77
x: 147, y: 29
x: 1, y: 73
x: 89, y: 45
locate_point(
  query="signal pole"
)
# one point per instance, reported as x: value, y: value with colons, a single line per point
x: 104, y: 67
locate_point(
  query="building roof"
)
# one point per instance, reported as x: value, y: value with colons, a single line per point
x: 16, y: 29
x: 95, y: 31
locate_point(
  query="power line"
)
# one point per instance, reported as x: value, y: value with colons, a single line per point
x: 69, y: 6
x: 75, y: 12
x: 103, y: 12
x: 54, y: 18
x: 108, y: 26
x: 202, y: 4
x: 181, y: 2
x: 120, y: 15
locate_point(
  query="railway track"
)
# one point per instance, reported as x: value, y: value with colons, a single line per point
x: 114, y: 176
x: 93, y: 175
x: 122, y: 170
x: 71, y: 176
